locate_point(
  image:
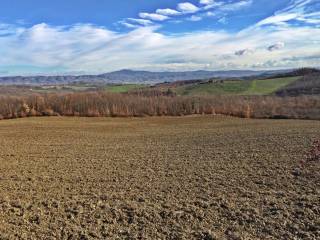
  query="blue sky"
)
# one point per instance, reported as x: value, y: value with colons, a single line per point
x: 94, y: 36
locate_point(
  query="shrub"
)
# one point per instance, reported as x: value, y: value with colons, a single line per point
x: 314, y: 153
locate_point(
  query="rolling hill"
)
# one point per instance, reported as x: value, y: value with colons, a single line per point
x: 235, y: 87
x: 133, y: 77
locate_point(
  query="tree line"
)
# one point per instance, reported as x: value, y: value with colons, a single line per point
x: 101, y: 104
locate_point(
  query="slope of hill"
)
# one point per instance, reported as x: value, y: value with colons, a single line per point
x: 236, y: 87
x: 307, y: 85
x: 298, y: 72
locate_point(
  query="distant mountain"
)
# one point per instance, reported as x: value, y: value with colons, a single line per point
x: 130, y: 76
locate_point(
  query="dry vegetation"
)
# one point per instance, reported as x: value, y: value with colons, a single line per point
x: 197, y: 177
x: 97, y: 104
x: 307, y: 85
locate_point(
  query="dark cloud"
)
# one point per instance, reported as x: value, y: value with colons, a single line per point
x: 275, y: 46
x: 243, y: 52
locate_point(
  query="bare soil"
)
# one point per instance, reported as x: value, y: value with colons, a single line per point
x: 198, y: 177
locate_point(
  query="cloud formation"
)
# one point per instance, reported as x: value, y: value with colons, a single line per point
x: 274, y: 42
x: 92, y: 49
x: 198, y: 13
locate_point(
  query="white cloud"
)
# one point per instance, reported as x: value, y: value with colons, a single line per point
x: 135, y: 22
x: 187, y: 7
x: 44, y: 45
x: 213, y: 5
x: 277, y: 19
x: 304, y: 11
x: 297, y: 6
x: 92, y: 49
x: 206, y: 2
x: 167, y: 12
x: 195, y: 18
x: 153, y: 16
x: 128, y: 25
x: 307, y: 20
x: 222, y: 9
x: 223, y: 20
x: 210, y: 14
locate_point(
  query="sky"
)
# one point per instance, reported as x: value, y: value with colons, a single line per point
x: 98, y: 36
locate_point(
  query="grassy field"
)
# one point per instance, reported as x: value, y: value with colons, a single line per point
x: 123, y: 88
x: 197, y: 177
x: 237, y: 87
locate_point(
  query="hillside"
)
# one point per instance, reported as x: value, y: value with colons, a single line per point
x: 307, y: 85
x: 235, y: 87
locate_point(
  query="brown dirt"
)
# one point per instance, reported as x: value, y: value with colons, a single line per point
x: 198, y: 177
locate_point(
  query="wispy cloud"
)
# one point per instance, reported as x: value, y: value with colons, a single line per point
x: 220, y: 9
x: 135, y: 22
x: 236, y: 5
x: 153, y: 16
x: 143, y: 22
x: 278, y: 19
x: 128, y: 25
x: 209, y: 4
x: 305, y: 11
x: 168, y: 12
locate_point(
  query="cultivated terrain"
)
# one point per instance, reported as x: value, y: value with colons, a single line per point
x: 196, y: 177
